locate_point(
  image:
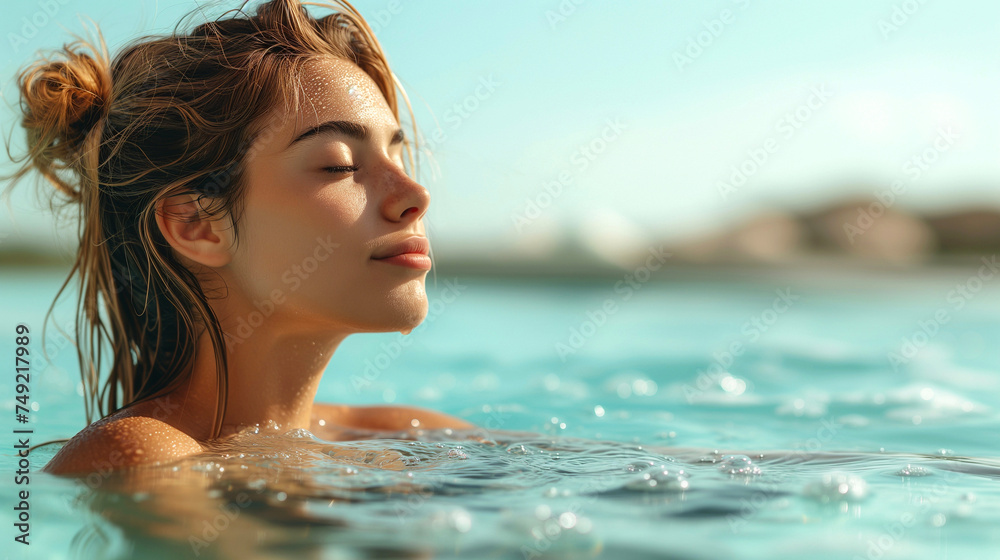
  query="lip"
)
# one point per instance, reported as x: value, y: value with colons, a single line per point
x: 410, y: 260
x: 411, y: 252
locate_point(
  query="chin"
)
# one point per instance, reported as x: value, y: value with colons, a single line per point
x: 413, y: 319
x: 392, y: 322
x: 401, y: 313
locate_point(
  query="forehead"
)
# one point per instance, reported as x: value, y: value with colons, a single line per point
x: 335, y: 88
x: 331, y: 89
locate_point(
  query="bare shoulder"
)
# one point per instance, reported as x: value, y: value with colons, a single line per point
x: 388, y: 417
x: 121, y: 441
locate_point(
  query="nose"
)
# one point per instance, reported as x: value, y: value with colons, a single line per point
x: 405, y: 199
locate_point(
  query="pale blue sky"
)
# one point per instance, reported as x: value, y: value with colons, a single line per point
x: 558, y: 83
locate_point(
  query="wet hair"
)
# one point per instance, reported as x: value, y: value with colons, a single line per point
x: 170, y: 115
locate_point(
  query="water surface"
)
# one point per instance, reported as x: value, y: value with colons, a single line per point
x: 650, y: 437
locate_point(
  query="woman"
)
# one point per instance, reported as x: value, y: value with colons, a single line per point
x: 246, y: 202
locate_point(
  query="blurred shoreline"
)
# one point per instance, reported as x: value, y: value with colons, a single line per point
x: 816, y: 266
x: 860, y: 236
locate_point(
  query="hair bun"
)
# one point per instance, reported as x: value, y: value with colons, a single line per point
x: 64, y: 96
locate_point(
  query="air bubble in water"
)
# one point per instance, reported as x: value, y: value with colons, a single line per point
x: 913, y: 470
x: 738, y: 465
x: 457, y: 454
x: 518, y: 449
x: 713, y: 457
x: 639, y: 466
x: 660, y: 479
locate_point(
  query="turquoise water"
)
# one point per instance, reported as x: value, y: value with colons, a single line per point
x: 853, y: 416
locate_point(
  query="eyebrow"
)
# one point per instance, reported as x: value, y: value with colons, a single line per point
x: 350, y: 129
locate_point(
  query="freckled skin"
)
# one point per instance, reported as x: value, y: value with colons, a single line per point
x: 128, y: 439
x: 391, y: 418
x: 122, y: 441
x: 297, y: 216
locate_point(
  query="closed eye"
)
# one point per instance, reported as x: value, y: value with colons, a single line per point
x: 341, y: 169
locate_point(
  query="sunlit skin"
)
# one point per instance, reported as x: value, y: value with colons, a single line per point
x: 303, y: 253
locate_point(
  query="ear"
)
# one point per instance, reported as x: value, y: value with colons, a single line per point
x: 193, y: 233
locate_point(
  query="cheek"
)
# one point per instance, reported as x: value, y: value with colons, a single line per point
x: 342, y: 205
x: 294, y: 241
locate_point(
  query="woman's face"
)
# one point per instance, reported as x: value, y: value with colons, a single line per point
x: 326, y: 196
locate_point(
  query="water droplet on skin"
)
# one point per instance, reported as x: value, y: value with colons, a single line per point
x: 405, y: 332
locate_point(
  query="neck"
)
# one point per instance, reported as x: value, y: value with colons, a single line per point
x: 272, y: 378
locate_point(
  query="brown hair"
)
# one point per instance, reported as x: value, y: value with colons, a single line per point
x: 169, y: 115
